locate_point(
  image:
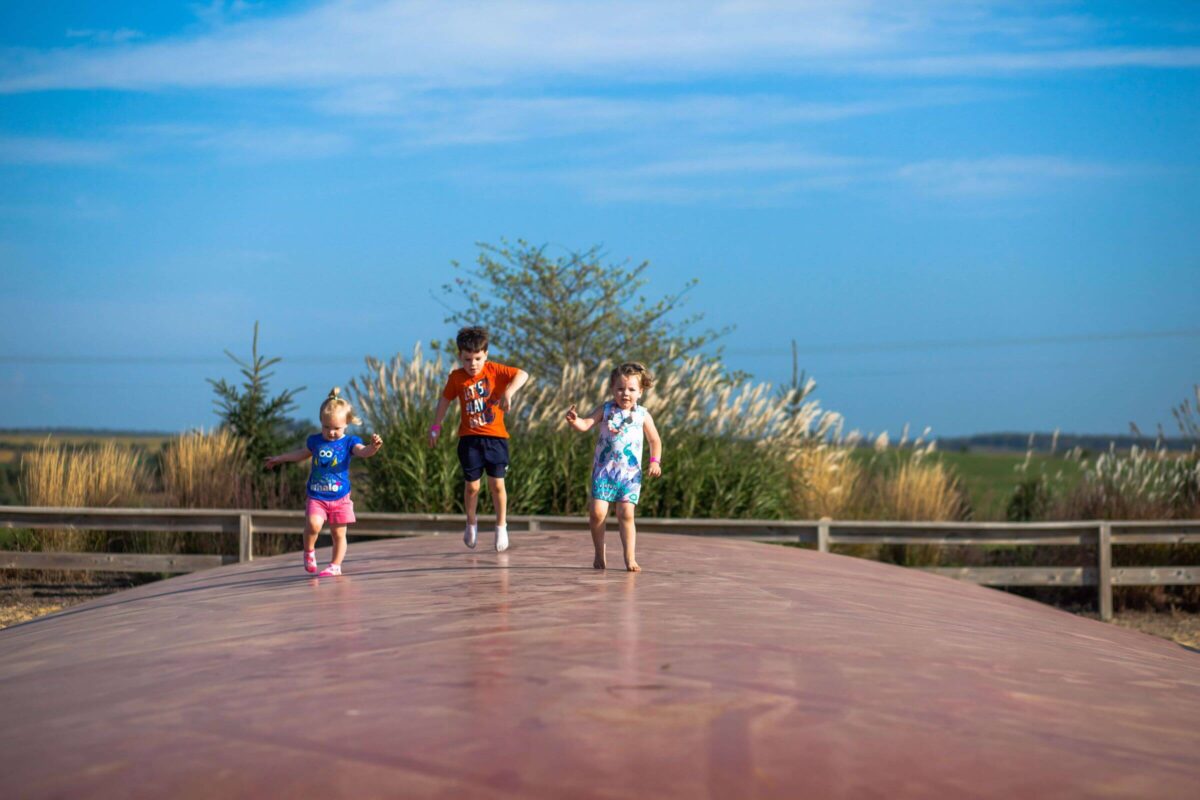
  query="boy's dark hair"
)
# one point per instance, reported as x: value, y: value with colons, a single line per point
x: 629, y: 368
x: 472, y: 339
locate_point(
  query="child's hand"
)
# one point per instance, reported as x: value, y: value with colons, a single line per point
x: 655, y: 469
x: 571, y: 415
x: 503, y: 402
x: 376, y: 441
x: 433, y: 435
x: 270, y: 462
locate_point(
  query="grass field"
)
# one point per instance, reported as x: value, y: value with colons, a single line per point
x: 990, y: 478
x: 13, y: 443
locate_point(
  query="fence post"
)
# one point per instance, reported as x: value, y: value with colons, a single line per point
x: 1104, y: 570
x: 245, y: 538
x: 823, y: 534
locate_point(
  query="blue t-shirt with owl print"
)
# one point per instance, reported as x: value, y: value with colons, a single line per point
x: 329, y: 478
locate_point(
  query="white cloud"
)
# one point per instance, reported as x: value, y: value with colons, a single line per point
x: 105, y: 36
x: 418, y: 44
x: 1001, y: 174
x: 257, y: 143
x: 53, y: 151
x: 1041, y: 61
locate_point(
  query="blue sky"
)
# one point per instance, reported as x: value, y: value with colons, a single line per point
x: 974, y: 216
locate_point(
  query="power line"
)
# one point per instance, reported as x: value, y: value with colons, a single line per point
x: 821, y: 349
x: 168, y: 361
x: 963, y: 344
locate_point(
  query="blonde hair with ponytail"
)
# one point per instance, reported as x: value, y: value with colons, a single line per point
x: 335, y: 405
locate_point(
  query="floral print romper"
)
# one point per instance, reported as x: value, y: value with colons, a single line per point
x: 617, y: 468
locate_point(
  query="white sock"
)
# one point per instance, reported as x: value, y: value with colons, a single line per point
x: 501, y: 538
x: 469, y: 536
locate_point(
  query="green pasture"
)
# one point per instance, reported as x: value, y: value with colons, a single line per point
x: 990, y: 478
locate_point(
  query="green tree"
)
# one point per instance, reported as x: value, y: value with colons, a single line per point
x: 545, y: 312
x: 261, y: 421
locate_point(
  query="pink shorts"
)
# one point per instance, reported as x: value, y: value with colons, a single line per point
x: 338, y: 512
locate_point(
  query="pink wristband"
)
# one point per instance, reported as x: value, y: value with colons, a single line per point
x: 654, y: 460
x: 435, y: 428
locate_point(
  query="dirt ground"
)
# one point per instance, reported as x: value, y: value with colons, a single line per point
x: 1177, y: 626
x: 23, y: 601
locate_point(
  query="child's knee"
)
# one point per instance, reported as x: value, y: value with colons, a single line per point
x: 596, y: 514
x: 625, y: 511
x: 471, y: 487
x: 338, y: 533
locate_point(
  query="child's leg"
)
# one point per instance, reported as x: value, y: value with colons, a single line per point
x: 339, y: 543
x: 499, y: 500
x: 471, y: 499
x: 597, y: 514
x: 312, y: 529
x: 628, y: 534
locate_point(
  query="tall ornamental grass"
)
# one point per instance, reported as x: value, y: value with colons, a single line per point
x: 1141, y: 483
x: 207, y: 470
x: 729, y: 449
x: 108, y: 475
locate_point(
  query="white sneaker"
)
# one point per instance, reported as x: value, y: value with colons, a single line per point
x: 469, y: 536
x: 501, y: 538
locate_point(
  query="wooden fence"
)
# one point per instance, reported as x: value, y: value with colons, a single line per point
x: 247, y: 524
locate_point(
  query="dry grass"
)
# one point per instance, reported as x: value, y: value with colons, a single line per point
x: 207, y: 470
x: 56, y: 476
x: 921, y: 489
x: 106, y: 475
x: 826, y: 481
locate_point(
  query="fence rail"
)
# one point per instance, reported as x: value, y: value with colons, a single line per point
x: 824, y: 533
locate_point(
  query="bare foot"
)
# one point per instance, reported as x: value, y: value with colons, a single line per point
x: 600, y: 562
x: 632, y: 566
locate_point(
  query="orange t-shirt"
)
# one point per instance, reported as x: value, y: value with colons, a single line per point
x: 477, y: 398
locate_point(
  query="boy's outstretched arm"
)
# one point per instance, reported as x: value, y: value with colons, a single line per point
x: 270, y: 462
x: 439, y: 414
x: 519, y: 380
x: 655, y: 447
x: 583, y: 423
x: 368, y: 450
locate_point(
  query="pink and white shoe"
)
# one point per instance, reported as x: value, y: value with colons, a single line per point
x: 330, y: 571
x: 310, y: 560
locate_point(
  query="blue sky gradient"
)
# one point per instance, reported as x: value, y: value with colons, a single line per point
x: 974, y: 216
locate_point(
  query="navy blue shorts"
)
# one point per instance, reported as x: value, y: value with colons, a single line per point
x: 479, y: 454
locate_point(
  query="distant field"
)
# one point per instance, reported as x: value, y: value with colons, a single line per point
x: 990, y: 478
x: 13, y: 443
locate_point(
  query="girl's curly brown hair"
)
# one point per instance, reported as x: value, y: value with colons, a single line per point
x: 630, y: 368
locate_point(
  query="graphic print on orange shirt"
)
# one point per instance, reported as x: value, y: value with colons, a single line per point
x: 477, y: 396
x: 478, y: 404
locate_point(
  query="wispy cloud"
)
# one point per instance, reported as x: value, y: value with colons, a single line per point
x: 246, y: 141
x: 53, y: 151
x: 117, y: 36
x: 468, y: 118
x: 1001, y: 174
x: 419, y: 45
x: 1039, y: 61
x: 753, y: 174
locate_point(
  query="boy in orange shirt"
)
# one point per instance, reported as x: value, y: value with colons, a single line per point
x: 485, y: 390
